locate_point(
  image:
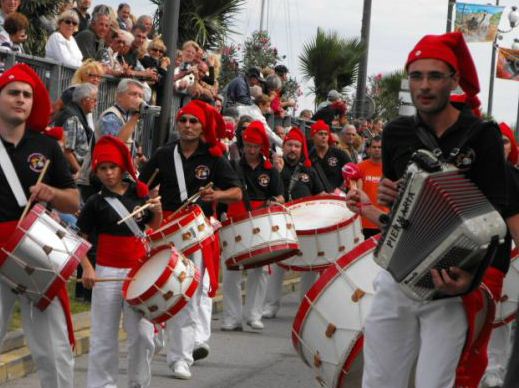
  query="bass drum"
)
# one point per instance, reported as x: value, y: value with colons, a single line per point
x: 327, y: 330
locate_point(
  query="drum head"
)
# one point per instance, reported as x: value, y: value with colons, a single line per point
x: 148, y: 274
x: 319, y: 212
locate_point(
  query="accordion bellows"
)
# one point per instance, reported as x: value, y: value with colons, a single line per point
x: 440, y: 219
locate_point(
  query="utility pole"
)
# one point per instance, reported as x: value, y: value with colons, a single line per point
x: 363, y: 65
x: 170, y: 13
x: 492, y: 70
x: 449, y: 15
x: 262, y: 14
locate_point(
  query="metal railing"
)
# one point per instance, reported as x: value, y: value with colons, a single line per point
x: 57, y: 78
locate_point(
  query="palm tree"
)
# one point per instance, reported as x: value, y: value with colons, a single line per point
x: 331, y: 61
x: 206, y: 22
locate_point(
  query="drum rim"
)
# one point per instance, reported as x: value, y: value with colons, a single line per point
x: 323, y: 282
x: 182, y: 302
x: 309, y: 268
x: 159, y: 282
x: 280, y: 209
x: 292, y: 247
x: 182, y: 219
x: 323, y: 229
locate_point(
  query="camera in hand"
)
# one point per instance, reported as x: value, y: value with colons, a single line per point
x: 148, y: 109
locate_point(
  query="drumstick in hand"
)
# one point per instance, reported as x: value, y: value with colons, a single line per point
x: 189, y: 201
x: 152, y: 177
x: 103, y: 280
x: 136, y: 211
x: 40, y: 179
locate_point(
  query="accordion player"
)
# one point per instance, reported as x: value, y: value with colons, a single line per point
x: 440, y: 219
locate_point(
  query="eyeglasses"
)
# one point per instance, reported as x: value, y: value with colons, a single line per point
x: 192, y: 120
x: 434, y: 77
x: 93, y: 75
x: 69, y: 21
x: 157, y: 50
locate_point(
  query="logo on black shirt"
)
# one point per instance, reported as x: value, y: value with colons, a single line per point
x: 36, y: 162
x: 202, y: 172
x: 332, y: 161
x: 263, y: 180
x: 138, y: 217
x: 304, y: 177
x: 465, y: 159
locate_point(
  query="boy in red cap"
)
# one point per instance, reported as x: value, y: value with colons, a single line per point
x: 299, y: 180
x: 400, y: 331
x: 24, y: 114
x: 326, y: 159
x: 184, y: 167
x: 261, y: 185
x: 119, y: 248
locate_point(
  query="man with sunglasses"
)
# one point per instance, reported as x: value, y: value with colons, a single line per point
x: 184, y: 167
x: 401, y: 332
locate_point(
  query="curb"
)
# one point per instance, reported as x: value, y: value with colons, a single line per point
x: 16, y: 360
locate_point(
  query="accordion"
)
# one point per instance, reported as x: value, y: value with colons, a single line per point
x: 440, y: 219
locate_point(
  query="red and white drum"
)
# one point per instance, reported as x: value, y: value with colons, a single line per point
x: 507, y: 306
x: 259, y: 237
x: 40, y: 256
x: 327, y: 329
x: 187, y: 231
x: 161, y: 285
x: 326, y: 230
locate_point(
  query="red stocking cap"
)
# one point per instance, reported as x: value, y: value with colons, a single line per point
x: 451, y: 49
x: 473, y: 102
x: 318, y: 126
x: 54, y: 132
x: 112, y: 149
x: 297, y: 135
x: 41, y: 108
x: 255, y: 133
x: 507, y: 131
x: 212, y: 122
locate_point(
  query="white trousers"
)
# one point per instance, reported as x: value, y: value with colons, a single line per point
x: 103, y: 358
x: 47, y: 337
x: 275, y: 287
x: 399, y: 331
x: 499, y: 351
x: 203, y: 326
x: 257, y: 279
x: 195, y: 317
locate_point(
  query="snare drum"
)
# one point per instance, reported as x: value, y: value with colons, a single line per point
x: 187, y: 231
x: 161, y: 285
x: 259, y: 237
x: 40, y: 256
x: 327, y: 329
x: 507, y: 306
x: 326, y: 230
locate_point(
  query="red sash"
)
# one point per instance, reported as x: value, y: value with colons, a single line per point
x: 474, y: 359
x: 236, y: 208
x: 119, y: 251
x: 6, y: 230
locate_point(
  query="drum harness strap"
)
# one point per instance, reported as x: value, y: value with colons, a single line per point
x: 121, y: 210
x: 293, y: 179
x: 241, y: 175
x: 179, y: 170
x: 11, y: 176
x: 320, y: 172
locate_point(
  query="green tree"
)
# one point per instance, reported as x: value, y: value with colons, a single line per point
x: 258, y: 51
x: 37, y: 35
x: 331, y: 61
x: 206, y: 22
x: 384, y: 89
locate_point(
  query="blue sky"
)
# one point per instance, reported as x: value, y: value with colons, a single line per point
x: 396, y: 26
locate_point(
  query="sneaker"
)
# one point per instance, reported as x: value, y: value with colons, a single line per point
x: 269, y: 313
x: 231, y: 327
x: 256, y: 325
x: 491, y: 380
x: 181, y: 370
x: 201, y: 351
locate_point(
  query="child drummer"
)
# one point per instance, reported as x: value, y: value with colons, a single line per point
x: 120, y: 245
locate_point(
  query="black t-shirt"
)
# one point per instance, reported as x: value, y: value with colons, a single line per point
x: 307, y: 182
x: 331, y: 165
x: 261, y: 183
x: 485, y: 149
x: 199, y: 169
x: 28, y: 158
x: 98, y: 214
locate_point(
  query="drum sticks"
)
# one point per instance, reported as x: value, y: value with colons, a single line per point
x: 40, y: 179
x: 136, y: 211
x: 189, y: 201
x: 103, y: 280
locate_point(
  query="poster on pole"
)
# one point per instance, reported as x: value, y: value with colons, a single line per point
x: 507, y: 64
x: 477, y: 22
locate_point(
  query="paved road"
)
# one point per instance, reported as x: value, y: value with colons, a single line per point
x: 237, y: 360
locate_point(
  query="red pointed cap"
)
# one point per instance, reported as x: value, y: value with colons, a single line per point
x: 255, y: 133
x: 297, y: 135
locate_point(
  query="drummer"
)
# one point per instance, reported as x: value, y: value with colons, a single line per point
x: 327, y: 160
x: 21, y: 120
x: 261, y: 185
x: 184, y: 167
x: 299, y: 180
x: 119, y: 249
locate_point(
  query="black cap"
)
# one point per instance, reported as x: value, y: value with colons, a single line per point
x: 256, y: 73
x: 281, y: 69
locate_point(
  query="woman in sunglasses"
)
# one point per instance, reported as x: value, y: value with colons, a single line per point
x: 62, y: 46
